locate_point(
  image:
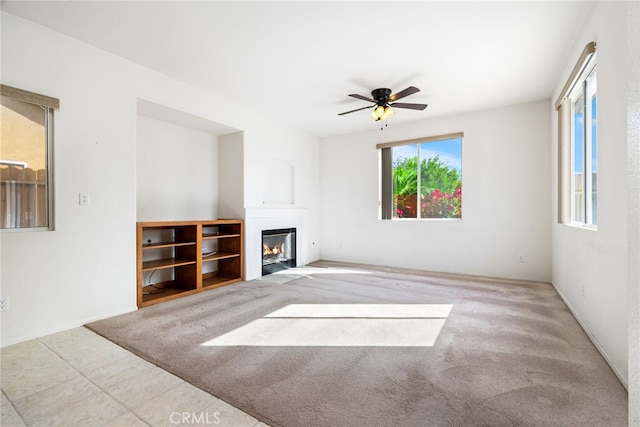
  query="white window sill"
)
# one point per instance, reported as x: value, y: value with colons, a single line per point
x: 582, y: 226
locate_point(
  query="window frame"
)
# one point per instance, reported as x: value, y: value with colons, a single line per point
x: 49, y: 104
x: 578, y: 85
x: 385, y: 195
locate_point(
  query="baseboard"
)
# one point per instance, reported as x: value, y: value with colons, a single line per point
x: 593, y: 339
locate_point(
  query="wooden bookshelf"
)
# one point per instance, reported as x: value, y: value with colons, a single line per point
x: 179, y: 258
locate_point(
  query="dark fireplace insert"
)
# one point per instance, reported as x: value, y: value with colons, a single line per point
x: 278, y: 250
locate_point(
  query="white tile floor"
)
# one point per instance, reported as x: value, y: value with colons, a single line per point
x: 78, y: 378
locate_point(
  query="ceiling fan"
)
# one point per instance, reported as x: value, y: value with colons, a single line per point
x: 383, y: 101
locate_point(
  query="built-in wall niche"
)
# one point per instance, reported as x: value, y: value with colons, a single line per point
x: 178, y: 173
x: 278, y: 182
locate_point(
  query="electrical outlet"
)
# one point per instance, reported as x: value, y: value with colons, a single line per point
x: 4, y: 303
x: 521, y: 258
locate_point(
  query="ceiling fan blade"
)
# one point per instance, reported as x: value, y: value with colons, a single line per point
x: 353, y: 111
x: 364, y: 98
x: 408, y: 91
x: 409, y: 105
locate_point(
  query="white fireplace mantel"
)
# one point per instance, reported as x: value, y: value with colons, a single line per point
x: 258, y: 219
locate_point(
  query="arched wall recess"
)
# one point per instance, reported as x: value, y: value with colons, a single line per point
x: 278, y: 182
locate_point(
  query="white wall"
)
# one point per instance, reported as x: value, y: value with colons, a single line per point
x: 590, y: 267
x: 231, y: 175
x: 85, y: 269
x: 633, y: 168
x: 505, y: 198
x: 177, y: 172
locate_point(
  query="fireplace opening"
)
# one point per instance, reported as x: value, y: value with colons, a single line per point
x: 278, y: 250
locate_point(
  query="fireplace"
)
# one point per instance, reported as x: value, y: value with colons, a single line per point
x: 278, y: 250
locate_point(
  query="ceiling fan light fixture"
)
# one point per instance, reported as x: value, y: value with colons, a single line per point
x: 382, y: 112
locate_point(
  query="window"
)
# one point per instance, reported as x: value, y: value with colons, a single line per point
x: 25, y: 159
x: 422, y: 178
x: 584, y: 165
x: 578, y: 144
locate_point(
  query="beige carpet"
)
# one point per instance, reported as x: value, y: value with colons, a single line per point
x: 339, y: 346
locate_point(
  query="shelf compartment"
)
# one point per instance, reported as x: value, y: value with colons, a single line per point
x: 168, y: 235
x: 219, y: 255
x: 157, y: 264
x: 214, y: 280
x: 169, y: 292
x: 161, y: 245
x: 219, y: 236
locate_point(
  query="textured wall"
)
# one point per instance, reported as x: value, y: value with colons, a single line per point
x: 633, y: 162
x: 590, y: 268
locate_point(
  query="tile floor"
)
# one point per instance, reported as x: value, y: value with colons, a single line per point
x: 78, y: 378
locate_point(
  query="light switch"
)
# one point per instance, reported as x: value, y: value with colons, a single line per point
x: 83, y: 198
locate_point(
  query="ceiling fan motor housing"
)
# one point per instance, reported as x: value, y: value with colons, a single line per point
x: 381, y: 95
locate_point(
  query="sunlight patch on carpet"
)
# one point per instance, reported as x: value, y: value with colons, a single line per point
x: 342, y: 325
x: 426, y: 311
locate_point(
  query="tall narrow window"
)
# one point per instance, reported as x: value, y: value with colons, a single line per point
x: 578, y: 144
x: 422, y: 178
x: 584, y: 185
x: 25, y: 163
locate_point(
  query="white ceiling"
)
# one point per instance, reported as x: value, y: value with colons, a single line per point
x: 299, y: 60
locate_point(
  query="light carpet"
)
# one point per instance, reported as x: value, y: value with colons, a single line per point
x: 333, y: 345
